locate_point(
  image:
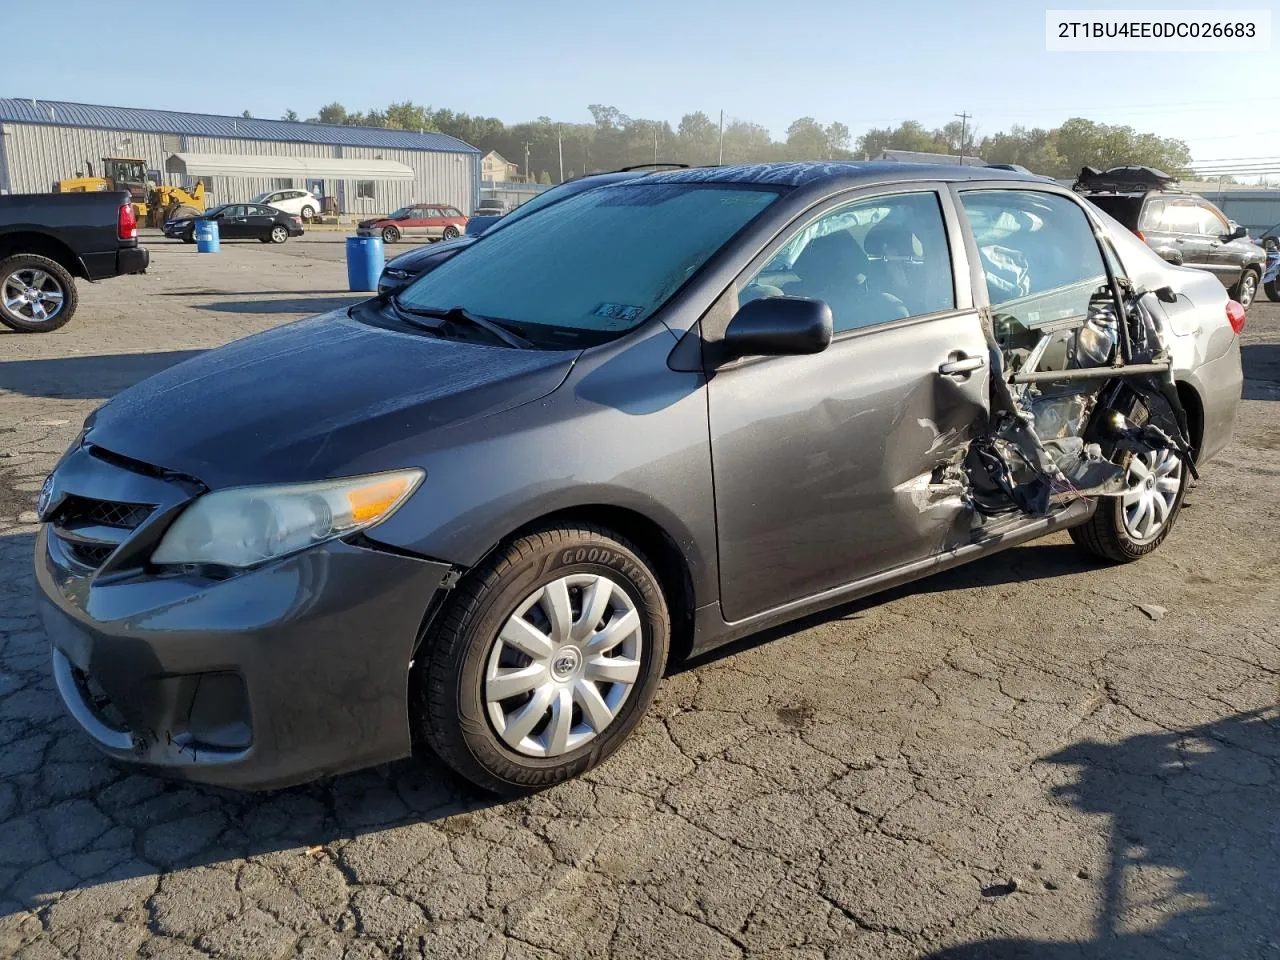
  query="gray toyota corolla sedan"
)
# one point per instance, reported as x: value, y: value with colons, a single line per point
x: 483, y: 516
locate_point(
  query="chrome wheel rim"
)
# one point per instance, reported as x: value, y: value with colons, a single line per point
x: 1153, y: 483
x: 1248, y: 289
x: 33, y: 294
x: 563, y: 665
x: 278, y: 234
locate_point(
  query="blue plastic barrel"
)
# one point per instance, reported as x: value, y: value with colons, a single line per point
x: 365, y: 261
x: 207, y: 240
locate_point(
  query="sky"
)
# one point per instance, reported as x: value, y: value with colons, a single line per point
x: 863, y: 64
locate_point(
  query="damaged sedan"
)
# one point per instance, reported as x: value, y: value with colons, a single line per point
x: 482, y: 515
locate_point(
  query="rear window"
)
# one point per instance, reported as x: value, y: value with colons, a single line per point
x: 597, y: 264
x: 1122, y: 208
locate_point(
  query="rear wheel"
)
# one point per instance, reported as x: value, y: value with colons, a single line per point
x: 36, y: 294
x: 390, y: 234
x: 450, y: 233
x: 1128, y: 527
x: 278, y: 234
x: 544, y: 661
x: 1246, y: 288
x: 189, y: 235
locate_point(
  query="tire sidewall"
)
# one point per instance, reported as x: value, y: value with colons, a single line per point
x: 278, y: 235
x: 70, y: 300
x: 509, y: 770
x: 1248, y: 275
x: 1132, y: 548
x: 450, y: 233
x: 390, y: 235
x: 308, y: 216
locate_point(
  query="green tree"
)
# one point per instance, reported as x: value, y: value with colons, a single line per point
x: 807, y: 140
x: 1083, y: 142
x: 838, y: 138
x: 331, y: 113
x: 697, y: 138
x: 247, y: 115
x: 908, y: 135
x: 409, y: 116
x: 544, y: 177
x: 290, y: 115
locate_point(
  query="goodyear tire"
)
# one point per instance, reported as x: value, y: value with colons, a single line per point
x: 544, y: 660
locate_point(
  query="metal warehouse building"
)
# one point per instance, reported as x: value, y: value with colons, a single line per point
x: 365, y: 170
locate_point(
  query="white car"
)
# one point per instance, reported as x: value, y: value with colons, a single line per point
x: 301, y: 203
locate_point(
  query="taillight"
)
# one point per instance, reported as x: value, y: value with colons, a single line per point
x: 1235, y: 316
x: 297, y: 220
x: 1140, y: 235
x: 127, y: 224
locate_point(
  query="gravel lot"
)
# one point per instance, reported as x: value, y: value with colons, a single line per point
x: 1009, y: 760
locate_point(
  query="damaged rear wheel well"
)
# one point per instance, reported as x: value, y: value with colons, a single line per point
x: 1194, y: 407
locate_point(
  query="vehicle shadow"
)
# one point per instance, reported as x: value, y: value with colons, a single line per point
x: 305, y: 305
x: 1193, y: 844
x: 72, y: 819
x: 97, y: 377
x: 1261, y: 364
x: 1034, y: 561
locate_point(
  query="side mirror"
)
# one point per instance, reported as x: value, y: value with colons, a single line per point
x: 1237, y: 233
x: 778, y: 326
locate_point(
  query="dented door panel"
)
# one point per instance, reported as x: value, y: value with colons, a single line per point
x: 824, y: 464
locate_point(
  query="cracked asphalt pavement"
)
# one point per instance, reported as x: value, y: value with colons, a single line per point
x: 1022, y: 758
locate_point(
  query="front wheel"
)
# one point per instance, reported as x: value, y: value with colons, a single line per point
x: 543, y: 662
x: 1246, y: 288
x: 1272, y: 288
x: 36, y: 294
x: 390, y: 234
x: 308, y: 213
x: 278, y: 234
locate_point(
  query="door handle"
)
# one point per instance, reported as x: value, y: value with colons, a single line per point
x: 1178, y: 240
x: 962, y: 367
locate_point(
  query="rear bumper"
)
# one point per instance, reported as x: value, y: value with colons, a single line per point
x: 133, y: 260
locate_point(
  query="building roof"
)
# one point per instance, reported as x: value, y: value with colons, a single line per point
x: 86, y: 115
x: 495, y: 155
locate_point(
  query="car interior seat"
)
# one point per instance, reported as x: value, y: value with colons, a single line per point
x: 834, y: 268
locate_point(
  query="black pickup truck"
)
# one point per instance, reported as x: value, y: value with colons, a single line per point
x: 48, y: 239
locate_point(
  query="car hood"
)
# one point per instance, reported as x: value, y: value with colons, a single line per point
x: 324, y: 397
x: 419, y: 257
x: 375, y: 221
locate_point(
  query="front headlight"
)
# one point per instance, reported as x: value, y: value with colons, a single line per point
x: 244, y: 526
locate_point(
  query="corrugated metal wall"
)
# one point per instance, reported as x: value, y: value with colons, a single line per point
x: 38, y: 155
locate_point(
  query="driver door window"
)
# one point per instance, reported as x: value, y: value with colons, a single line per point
x: 871, y: 261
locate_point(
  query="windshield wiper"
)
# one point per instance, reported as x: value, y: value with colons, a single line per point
x: 502, y: 330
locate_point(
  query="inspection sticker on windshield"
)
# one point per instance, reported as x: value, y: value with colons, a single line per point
x: 620, y: 312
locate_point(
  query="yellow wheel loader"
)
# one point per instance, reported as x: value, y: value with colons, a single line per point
x: 154, y: 203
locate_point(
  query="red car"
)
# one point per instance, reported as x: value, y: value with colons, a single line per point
x: 430, y: 221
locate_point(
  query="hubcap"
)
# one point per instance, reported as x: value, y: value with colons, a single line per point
x: 1248, y: 289
x: 32, y: 294
x: 1154, y: 479
x: 563, y: 665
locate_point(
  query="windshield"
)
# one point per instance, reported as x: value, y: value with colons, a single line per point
x: 545, y: 199
x: 600, y: 262
x: 260, y: 198
x: 400, y: 214
x: 214, y: 211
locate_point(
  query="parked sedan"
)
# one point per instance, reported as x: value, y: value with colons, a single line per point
x: 429, y: 221
x: 660, y: 415
x: 240, y: 221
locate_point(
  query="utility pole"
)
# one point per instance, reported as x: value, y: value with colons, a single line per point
x: 721, y: 138
x: 964, y: 129
x: 655, y: 141
x: 560, y: 150
x: 526, y: 160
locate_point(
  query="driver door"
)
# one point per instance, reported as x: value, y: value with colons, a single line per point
x: 824, y: 464
x: 233, y: 224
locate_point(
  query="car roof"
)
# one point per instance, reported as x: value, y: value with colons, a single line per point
x: 803, y: 173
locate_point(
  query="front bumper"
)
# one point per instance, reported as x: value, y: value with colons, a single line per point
x: 278, y: 675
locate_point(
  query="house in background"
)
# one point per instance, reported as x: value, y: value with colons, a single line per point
x: 496, y: 168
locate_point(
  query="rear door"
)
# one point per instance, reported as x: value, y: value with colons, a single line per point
x: 824, y: 464
x: 1224, y: 259
x: 436, y: 220
x: 260, y: 220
